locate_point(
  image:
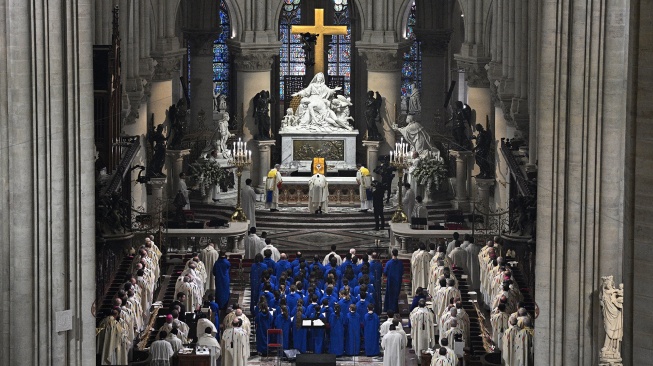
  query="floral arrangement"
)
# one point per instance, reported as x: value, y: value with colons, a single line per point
x: 207, y: 172
x: 430, y: 171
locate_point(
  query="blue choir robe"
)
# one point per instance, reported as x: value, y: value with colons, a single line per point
x: 255, y: 282
x: 283, y: 323
x: 291, y: 301
x: 216, y: 316
x: 371, y: 334
x: 271, y: 264
x: 344, y: 305
x: 318, y: 336
x: 222, y: 282
x: 353, y: 334
x: 394, y: 270
x: 377, y: 269
x: 282, y: 266
x: 361, y: 308
x: 263, y: 323
x: 336, y: 334
x: 299, y: 336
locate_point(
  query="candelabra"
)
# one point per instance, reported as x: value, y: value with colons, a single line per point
x: 399, y: 159
x: 240, y: 158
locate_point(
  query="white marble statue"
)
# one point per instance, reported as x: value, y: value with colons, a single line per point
x: 320, y: 110
x: 289, y: 120
x: 222, y: 103
x: 219, y: 138
x: 612, y: 301
x: 417, y: 137
x: 216, y: 94
x: 414, y: 104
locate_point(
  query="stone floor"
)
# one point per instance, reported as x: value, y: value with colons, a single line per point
x: 411, y: 360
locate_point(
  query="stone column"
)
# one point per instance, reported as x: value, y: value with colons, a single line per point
x: 201, y: 78
x: 166, y: 72
x: 483, y: 189
x: 47, y: 211
x: 461, y: 202
x: 156, y: 203
x: 384, y: 75
x: 265, y: 154
x: 435, y: 74
x: 175, y: 165
x: 372, y: 154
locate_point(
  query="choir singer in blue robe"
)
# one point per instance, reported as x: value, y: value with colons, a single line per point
x: 222, y: 280
x: 393, y: 270
x: 263, y: 323
x: 371, y: 332
x: 337, y: 332
x: 353, y: 333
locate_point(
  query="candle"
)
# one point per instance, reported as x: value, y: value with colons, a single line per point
x: 391, y: 156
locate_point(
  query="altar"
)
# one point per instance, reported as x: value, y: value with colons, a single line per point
x: 338, y: 148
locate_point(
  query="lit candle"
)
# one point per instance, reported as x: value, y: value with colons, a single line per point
x: 391, y: 156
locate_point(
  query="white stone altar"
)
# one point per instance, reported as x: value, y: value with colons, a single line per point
x: 338, y: 148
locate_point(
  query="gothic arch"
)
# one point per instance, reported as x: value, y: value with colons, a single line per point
x: 235, y: 16
x: 276, y: 14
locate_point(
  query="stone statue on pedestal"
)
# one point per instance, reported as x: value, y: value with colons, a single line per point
x: 372, y: 116
x: 612, y: 302
x: 414, y: 103
x: 158, y: 142
x: 215, y: 97
x: 462, y: 119
x: 222, y: 103
x: 417, y: 137
x: 262, y: 100
x: 483, y: 150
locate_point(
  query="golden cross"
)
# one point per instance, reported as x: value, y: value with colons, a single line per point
x: 322, y: 30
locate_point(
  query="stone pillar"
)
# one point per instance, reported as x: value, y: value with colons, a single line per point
x: 156, y: 203
x: 166, y: 72
x: 483, y: 189
x: 384, y: 75
x: 201, y: 78
x: 461, y: 202
x: 372, y: 154
x: 47, y: 211
x: 175, y: 165
x: 435, y: 74
x: 264, y: 165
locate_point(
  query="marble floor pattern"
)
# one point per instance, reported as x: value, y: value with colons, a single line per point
x: 411, y: 360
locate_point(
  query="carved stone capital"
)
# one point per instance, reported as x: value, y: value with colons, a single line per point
x: 475, y: 72
x: 252, y: 60
x: 382, y: 60
x: 134, y: 91
x: 201, y: 43
x: 167, y: 67
x: 434, y: 43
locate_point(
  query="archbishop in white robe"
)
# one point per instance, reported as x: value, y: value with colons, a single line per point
x: 394, y: 346
x: 235, y: 345
x: 248, y: 202
x: 419, y: 267
x: 318, y: 194
x: 421, y: 329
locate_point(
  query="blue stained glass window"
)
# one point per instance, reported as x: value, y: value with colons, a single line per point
x: 339, y: 54
x: 291, y: 55
x: 412, y: 68
x: 221, y: 57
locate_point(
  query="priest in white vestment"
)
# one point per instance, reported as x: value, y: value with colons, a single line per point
x: 394, y: 347
x: 276, y: 255
x: 440, y: 358
x: 473, y: 265
x: 161, y: 351
x: 318, y: 193
x: 451, y: 355
x: 419, y: 267
x: 458, y: 257
x: 499, y: 322
x: 183, y: 188
x: 248, y: 202
x: 174, y: 341
x: 208, y: 256
x: 335, y: 255
x: 508, y: 342
x: 207, y: 339
x: 408, y: 200
x: 235, y: 345
x: 421, y: 328
x: 253, y: 244
x: 523, y: 345
x: 384, y: 328
x: 111, y: 342
x: 454, y: 331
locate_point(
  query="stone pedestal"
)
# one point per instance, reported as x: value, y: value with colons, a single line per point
x: 461, y: 202
x: 337, y: 148
x: 175, y: 165
x: 156, y: 203
x: 483, y: 187
x: 372, y: 154
x: 264, y: 153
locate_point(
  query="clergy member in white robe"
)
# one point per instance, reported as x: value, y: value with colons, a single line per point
x: 523, y: 345
x: 174, y: 341
x: 276, y: 255
x: 161, y: 351
x: 207, y: 339
x: 508, y: 342
x: 248, y: 202
x: 208, y: 256
x: 394, y: 348
x: 500, y: 324
x: 253, y: 244
x: 272, y: 184
x: 235, y: 345
x: 214, y: 189
x: 419, y: 267
x: 408, y: 200
x: 421, y: 328
x: 183, y: 188
x: 111, y: 341
x: 364, y: 180
x: 318, y: 194
x: 440, y: 358
x: 420, y: 209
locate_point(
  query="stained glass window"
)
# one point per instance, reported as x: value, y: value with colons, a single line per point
x: 412, y: 68
x: 291, y: 55
x: 339, y: 55
x: 221, y: 68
